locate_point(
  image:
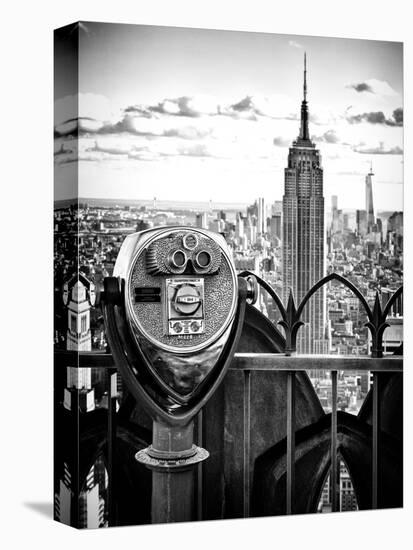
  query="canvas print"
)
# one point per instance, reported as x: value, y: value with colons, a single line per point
x: 228, y: 270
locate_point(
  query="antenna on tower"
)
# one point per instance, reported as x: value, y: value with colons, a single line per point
x: 371, y: 167
x: 304, y: 133
x: 305, y: 76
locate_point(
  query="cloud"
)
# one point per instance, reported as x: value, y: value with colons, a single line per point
x: 272, y: 107
x: 66, y: 128
x: 84, y: 112
x: 253, y: 127
x: 378, y: 117
x: 190, y: 106
x: 196, y: 150
x: 374, y: 86
x: 139, y: 110
x: 166, y: 126
x: 63, y: 151
x: 78, y: 125
x: 281, y: 142
x: 294, y: 44
x: 143, y: 154
x: 246, y: 104
x: 380, y: 150
x: 136, y: 124
x: 328, y: 137
x: 361, y: 87
x: 188, y: 132
x: 398, y: 116
x: 94, y: 115
x: 113, y: 148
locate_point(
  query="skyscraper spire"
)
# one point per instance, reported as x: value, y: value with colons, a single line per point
x: 304, y: 133
x: 305, y: 76
x: 303, y: 232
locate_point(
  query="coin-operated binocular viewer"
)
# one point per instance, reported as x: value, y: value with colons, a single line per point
x: 174, y: 312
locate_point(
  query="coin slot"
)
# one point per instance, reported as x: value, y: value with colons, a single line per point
x: 147, y: 294
x: 190, y: 241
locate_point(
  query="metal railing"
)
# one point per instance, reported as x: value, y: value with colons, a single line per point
x: 291, y: 364
x: 333, y: 364
x: 291, y: 321
x: 253, y: 362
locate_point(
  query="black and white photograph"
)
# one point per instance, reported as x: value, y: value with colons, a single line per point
x: 228, y: 274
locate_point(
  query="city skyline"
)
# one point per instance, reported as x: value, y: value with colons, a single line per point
x: 225, y: 114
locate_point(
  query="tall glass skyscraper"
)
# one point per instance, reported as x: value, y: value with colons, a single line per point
x: 303, y: 234
x: 369, y: 201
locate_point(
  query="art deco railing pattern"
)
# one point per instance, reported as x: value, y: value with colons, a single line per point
x: 291, y: 321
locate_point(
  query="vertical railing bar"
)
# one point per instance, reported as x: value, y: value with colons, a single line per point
x: 247, y: 433
x: 111, y: 437
x: 334, y: 499
x: 375, y: 441
x: 200, y: 470
x: 290, y: 442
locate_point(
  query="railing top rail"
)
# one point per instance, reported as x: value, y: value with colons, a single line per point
x: 260, y: 361
x: 280, y: 362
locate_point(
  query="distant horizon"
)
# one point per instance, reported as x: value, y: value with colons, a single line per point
x: 178, y: 204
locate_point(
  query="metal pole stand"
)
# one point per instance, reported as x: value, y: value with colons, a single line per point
x: 172, y: 457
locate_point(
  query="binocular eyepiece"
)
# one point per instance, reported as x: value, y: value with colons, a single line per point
x: 179, y: 259
x: 184, y: 252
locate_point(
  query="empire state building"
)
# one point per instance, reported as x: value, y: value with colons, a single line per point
x: 303, y: 234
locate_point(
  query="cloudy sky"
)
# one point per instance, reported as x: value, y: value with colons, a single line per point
x: 209, y: 115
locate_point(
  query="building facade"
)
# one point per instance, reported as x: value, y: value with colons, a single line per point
x: 79, y: 297
x: 369, y: 201
x: 303, y: 234
x: 261, y: 218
